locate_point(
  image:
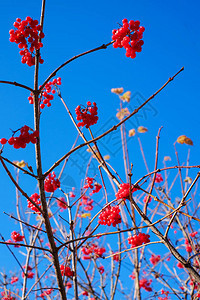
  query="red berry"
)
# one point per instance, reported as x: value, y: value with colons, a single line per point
x: 3, y: 141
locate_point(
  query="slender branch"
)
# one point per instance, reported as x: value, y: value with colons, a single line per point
x: 104, y: 46
x: 16, y: 166
x: 17, y: 84
x: 18, y: 187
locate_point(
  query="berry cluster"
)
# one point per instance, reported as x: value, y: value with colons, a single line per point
x: 47, y: 93
x: 124, y: 191
x: 110, y: 215
x: 187, y: 246
x: 139, y: 239
x: 23, y: 139
x: 27, y: 35
x: 14, y: 279
x: 35, y: 197
x: 92, y: 250
x: 29, y: 273
x: 89, y: 183
x: 51, y: 184
x: 88, y: 115
x: 7, y: 296
x: 129, y: 36
x: 154, y: 259
x: 65, y: 270
x: 16, y: 237
x: 158, y: 178
x: 45, y: 293
x: 145, y: 284
x: 87, y: 201
x: 146, y: 198
x: 62, y: 203
x: 94, y: 186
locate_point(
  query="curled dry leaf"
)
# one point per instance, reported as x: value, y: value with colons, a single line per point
x: 20, y: 164
x: 131, y: 132
x: 126, y: 97
x: 117, y: 90
x: 142, y: 129
x: 106, y: 157
x: 188, y: 179
x: 183, y: 139
x: 167, y: 158
x: 85, y: 215
x: 122, y: 113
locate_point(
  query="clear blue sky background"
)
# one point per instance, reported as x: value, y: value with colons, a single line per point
x: 171, y: 41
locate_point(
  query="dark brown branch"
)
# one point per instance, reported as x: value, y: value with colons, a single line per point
x: 17, y: 84
x: 104, y: 46
x: 18, y: 187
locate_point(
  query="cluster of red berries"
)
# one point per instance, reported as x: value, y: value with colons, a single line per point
x: 29, y: 273
x: 158, y: 178
x: 47, y: 93
x: 23, y: 139
x: 95, y: 187
x: 139, y: 239
x: 14, y: 279
x: 116, y: 257
x: 88, y: 115
x: 45, y: 293
x: 65, y: 270
x: 110, y: 215
x: 62, y: 203
x: 89, y: 183
x: 124, y: 190
x: 129, y: 36
x: 51, y: 184
x: 16, y: 237
x: 27, y: 35
x: 87, y: 201
x: 35, y: 197
x: 154, y: 259
x: 145, y: 284
x: 7, y: 296
x: 187, y: 246
x: 92, y: 250
x: 146, y: 198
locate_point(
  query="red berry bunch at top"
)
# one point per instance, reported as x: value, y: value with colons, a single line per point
x: 47, y: 93
x: 124, y: 190
x: 16, y: 237
x: 129, y: 36
x: 27, y: 35
x: 66, y: 270
x: 88, y: 115
x: 139, y: 239
x: 35, y: 197
x: 51, y: 184
x: 110, y: 215
x: 23, y: 139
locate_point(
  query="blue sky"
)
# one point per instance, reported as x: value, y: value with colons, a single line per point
x: 170, y: 42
